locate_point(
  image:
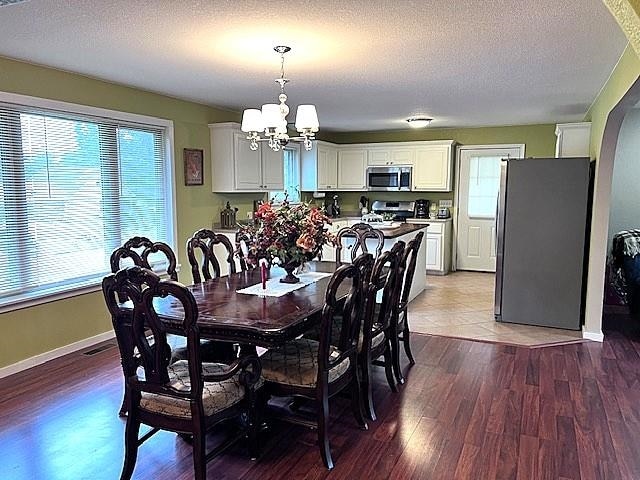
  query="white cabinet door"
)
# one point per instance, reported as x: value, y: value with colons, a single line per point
x: 327, y: 167
x: 248, y: 165
x: 352, y: 165
x: 379, y: 156
x: 403, y: 156
x: 432, y: 170
x: 272, y: 168
x: 434, y: 252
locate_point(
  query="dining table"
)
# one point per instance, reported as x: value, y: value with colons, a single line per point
x: 252, y: 321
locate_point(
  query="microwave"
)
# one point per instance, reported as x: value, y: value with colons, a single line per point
x: 391, y: 179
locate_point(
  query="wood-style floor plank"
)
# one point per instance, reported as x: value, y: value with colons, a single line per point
x: 467, y: 411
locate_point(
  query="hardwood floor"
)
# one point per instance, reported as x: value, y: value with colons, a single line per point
x: 468, y: 410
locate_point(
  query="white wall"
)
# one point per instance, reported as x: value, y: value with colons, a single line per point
x: 625, y: 186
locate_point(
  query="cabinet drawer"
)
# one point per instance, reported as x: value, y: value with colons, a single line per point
x: 435, y: 228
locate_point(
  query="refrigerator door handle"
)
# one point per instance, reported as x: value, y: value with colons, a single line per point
x: 500, y: 214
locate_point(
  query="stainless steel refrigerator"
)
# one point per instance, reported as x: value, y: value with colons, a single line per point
x: 541, y: 241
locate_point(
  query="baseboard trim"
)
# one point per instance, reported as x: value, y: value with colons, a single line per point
x: 52, y: 354
x: 595, y: 336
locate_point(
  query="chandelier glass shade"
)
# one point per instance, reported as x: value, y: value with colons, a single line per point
x: 271, y: 120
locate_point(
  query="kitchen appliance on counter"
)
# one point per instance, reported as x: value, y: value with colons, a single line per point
x: 422, y: 208
x: 335, y: 207
x: 392, y: 179
x: 542, y: 226
x: 443, y: 212
x: 399, y: 210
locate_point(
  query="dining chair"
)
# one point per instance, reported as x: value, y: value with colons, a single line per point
x: 138, y: 250
x: 318, y: 370
x: 242, y: 242
x: 205, y: 241
x: 407, y: 271
x: 360, y: 232
x: 188, y: 397
x: 379, y: 329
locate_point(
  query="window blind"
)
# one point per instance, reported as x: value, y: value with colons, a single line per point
x: 74, y: 187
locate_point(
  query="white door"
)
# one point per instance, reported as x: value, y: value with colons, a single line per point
x: 479, y: 182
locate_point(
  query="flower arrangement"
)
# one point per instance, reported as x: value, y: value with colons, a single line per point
x: 287, y: 235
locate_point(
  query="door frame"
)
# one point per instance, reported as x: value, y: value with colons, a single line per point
x: 459, y: 150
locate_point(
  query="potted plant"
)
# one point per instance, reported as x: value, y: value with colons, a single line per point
x: 287, y: 235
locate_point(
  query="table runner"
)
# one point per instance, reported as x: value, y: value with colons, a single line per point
x: 277, y: 289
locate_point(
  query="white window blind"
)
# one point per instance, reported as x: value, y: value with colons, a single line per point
x: 484, y: 183
x: 74, y: 187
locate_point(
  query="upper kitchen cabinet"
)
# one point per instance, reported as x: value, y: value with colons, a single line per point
x: 319, y: 167
x: 237, y: 168
x: 352, y: 166
x: 390, y: 155
x: 433, y: 165
x: 573, y: 139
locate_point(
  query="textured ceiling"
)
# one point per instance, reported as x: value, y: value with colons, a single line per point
x: 367, y: 65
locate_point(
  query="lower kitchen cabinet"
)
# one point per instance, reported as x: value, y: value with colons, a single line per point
x: 438, y: 245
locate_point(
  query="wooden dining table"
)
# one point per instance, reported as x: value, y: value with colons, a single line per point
x: 252, y: 320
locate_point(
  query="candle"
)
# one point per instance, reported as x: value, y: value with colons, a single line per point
x: 263, y: 273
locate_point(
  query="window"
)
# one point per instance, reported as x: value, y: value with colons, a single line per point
x: 291, y: 176
x: 73, y: 187
x: 484, y: 183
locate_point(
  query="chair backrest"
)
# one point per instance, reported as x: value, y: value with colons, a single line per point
x: 360, y: 232
x: 138, y: 250
x: 351, y: 314
x: 142, y: 337
x: 242, y: 242
x: 383, y: 278
x: 408, y: 265
x: 205, y: 240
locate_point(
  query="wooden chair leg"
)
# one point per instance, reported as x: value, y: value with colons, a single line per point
x: 131, y: 447
x: 323, y: 433
x: 365, y: 388
x: 395, y: 358
x: 254, y: 420
x: 406, y: 340
x: 199, y: 455
x: 356, y: 400
x: 388, y: 369
x: 123, y: 407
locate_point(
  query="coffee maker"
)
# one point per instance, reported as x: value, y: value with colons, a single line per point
x: 422, y: 208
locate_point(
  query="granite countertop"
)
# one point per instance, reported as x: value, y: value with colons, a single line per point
x: 402, y: 229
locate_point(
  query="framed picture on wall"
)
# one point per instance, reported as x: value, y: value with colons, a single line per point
x: 193, y: 162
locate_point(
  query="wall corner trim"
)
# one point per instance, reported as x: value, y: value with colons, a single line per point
x: 55, y: 353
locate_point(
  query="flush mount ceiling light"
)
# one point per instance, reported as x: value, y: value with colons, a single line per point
x: 272, y: 119
x: 419, y: 122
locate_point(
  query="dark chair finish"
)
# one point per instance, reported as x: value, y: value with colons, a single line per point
x: 205, y: 240
x: 188, y: 397
x: 242, y: 242
x: 318, y: 370
x: 406, y: 274
x: 138, y: 249
x: 360, y: 232
x: 380, y: 337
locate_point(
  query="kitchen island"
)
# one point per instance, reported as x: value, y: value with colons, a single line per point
x: 399, y: 231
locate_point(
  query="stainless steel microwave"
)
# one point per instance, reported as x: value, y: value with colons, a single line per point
x: 393, y: 179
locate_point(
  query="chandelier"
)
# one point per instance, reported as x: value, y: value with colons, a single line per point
x: 272, y: 119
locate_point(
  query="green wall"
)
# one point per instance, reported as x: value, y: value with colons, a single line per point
x: 38, y: 329
x: 35, y: 330
x: 539, y: 140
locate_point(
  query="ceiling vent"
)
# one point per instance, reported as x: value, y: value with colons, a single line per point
x: 5, y: 3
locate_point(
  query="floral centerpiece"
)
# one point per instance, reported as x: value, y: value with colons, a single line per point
x: 287, y: 235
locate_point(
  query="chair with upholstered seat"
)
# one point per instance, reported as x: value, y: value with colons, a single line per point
x: 139, y: 251
x: 406, y: 273
x: 205, y: 240
x: 318, y: 370
x: 380, y: 337
x: 359, y: 232
x: 188, y: 397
